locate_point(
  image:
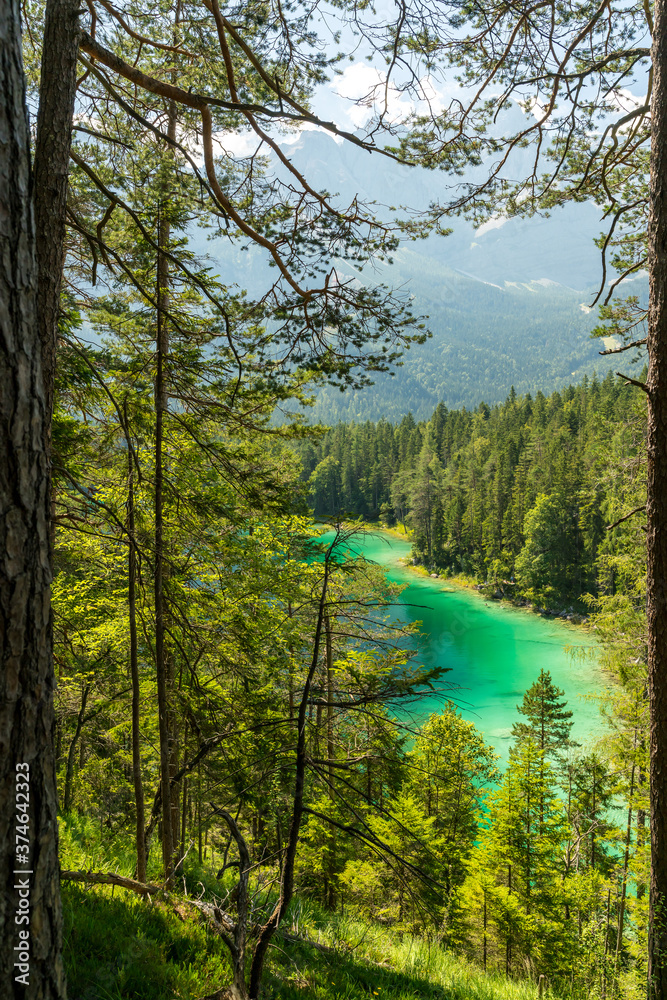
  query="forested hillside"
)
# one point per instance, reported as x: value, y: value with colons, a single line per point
x: 520, y: 495
x: 218, y: 777
x: 300, y: 783
x: 486, y: 338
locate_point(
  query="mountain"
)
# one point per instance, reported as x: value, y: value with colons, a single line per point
x: 486, y: 338
x: 507, y: 303
x: 559, y: 247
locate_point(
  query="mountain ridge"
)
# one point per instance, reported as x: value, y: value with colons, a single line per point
x: 508, y: 302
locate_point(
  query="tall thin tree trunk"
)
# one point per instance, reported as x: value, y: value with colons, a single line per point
x: 508, y: 945
x: 287, y: 882
x: 184, y: 803
x: 485, y: 924
x: 607, y: 925
x: 626, y: 863
x: 60, y: 48
x: 134, y: 672
x: 199, y: 843
x: 164, y: 658
x: 69, y: 771
x: 27, y: 677
x: 161, y: 655
x: 331, y: 852
x: 603, y: 971
x: 656, y: 511
x: 594, y: 813
x: 166, y: 285
x: 184, y: 819
x: 641, y: 840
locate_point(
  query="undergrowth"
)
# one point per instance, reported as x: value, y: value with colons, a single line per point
x: 346, y: 958
x: 118, y: 946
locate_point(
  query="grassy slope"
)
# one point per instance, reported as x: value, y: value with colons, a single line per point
x: 350, y: 959
x: 122, y: 947
x: 118, y: 946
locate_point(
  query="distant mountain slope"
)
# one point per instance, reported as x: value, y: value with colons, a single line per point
x: 485, y: 339
x: 559, y: 247
x: 507, y: 304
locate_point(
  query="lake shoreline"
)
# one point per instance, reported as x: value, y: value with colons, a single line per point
x: 491, y: 653
x: 518, y: 604
x: 465, y: 582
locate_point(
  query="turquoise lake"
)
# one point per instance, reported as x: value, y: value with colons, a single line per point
x: 494, y: 652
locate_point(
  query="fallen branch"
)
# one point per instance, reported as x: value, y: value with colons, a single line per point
x: 110, y: 878
x: 297, y: 939
x: 219, y: 921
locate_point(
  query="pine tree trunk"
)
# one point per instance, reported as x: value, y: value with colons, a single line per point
x: 657, y: 511
x: 161, y: 655
x: 626, y: 865
x: 164, y: 658
x: 301, y: 758
x: 69, y: 772
x: 60, y: 49
x: 183, y: 804
x: 27, y: 678
x: 485, y: 925
x: 641, y: 840
x: 184, y: 820
x: 331, y: 852
x: 140, y: 837
x: 199, y: 840
x: 508, y: 945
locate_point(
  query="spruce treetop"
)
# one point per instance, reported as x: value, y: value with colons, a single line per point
x: 548, y: 720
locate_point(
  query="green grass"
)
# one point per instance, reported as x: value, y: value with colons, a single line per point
x: 118, y: 946
x: 366, y: 960
x: 83, y: 845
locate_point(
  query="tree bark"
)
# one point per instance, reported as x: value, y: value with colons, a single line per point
x: 164, y: 659
x: 27, y: 678
x: 287, y: 881
x: 331, y: 850
x: 656, y: 510
x: 134, y: 673
x: 161, y: 654
x: 626, y: 865
x: 57, y: 88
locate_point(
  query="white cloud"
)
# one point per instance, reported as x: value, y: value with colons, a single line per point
x: 624, y: 100
x: 356, y: 81
x: 363, y: 87
x: 293, y: 137
x: 364, y: 90
x: 495, y: 222
x: 236, y: 143
x: 534, y: 106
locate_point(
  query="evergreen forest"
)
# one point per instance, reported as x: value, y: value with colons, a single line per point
x: 302, y: 776
x: 218, y: 779
x: 523, y: 497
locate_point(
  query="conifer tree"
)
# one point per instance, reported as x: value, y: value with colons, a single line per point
x: 516, y: 869
x: 549, y: 722
x: 451, y: 769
